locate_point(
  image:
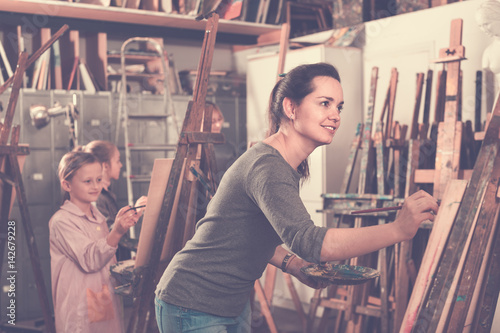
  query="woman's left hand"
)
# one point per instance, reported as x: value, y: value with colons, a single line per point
x: 294, y: 269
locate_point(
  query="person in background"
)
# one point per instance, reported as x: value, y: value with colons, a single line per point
x: 109, y: 156
x: 207, y: 285
x: 225, y: 154
x: 82, y: 249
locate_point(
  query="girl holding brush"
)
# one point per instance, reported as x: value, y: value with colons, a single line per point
x: 82, y: 249
x: 257, y: 208
x: 109, y: 156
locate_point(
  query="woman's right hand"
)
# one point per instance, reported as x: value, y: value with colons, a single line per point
x: 417, y: 208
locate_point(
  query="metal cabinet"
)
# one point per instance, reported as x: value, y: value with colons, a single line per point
x: 96, y: 122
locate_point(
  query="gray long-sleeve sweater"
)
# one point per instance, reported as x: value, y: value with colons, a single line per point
x: 256, y: 208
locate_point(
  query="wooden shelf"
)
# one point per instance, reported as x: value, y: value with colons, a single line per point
x: 134, y: 76
x: 71, y: 10
x: 132, y: 58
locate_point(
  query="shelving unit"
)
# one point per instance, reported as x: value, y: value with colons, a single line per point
x: 238, y: 32
x: 94, y: 25
x: 131, y: 58
x: 134, y: 59
x: 134, y: 76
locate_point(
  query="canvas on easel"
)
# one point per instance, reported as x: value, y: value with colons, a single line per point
x: 157, y: 187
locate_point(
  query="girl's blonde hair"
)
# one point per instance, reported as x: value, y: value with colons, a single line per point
x: 70, y: 163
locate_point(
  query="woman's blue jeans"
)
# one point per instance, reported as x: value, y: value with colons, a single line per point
x: 176, y: 319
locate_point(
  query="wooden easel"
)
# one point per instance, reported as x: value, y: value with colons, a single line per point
x: 451, y: 289
x: 11, y: 179
x: 449, y: 136
x: 188, y: 148
x: 446, y: 302
x: 355, y: 303
x: 447, y: 142
x: 446, y: 137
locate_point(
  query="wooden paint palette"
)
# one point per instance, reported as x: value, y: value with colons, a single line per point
x: 340, y: 274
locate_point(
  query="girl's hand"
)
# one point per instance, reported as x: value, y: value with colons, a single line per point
x: 142, y: 201
x: 417, y: 208
x: 125, y: 218
x: 294, y: 268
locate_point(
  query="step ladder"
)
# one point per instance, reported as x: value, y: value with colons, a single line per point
x: 144, y: 142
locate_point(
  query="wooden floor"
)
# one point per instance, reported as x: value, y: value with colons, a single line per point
x: 286, y: 321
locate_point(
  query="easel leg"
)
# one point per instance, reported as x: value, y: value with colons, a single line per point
x: 313, y: 307
x: 296, y: 301
x: 7, y: 186
x: 264, y: 307
x: 384, y: 294
x: 32, y: 248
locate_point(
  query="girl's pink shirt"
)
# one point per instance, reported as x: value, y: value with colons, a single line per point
x: 80, y: 259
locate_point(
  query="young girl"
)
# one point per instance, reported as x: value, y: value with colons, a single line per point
x: 82, y: 249
x: 109, y: 156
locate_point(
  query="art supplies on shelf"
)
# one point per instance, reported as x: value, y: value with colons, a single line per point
x: 5, y: 61
x: 2, y: 81
x: 57, y: 66
x: 5, y: 69
x: 88, y: 83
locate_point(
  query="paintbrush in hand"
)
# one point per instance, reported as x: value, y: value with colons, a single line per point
x: 375, y: 210
x: 382, y: 209
x: 135, y: 208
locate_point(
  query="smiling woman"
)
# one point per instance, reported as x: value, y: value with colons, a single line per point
x: 257, y: 208
x: 305, y: 113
